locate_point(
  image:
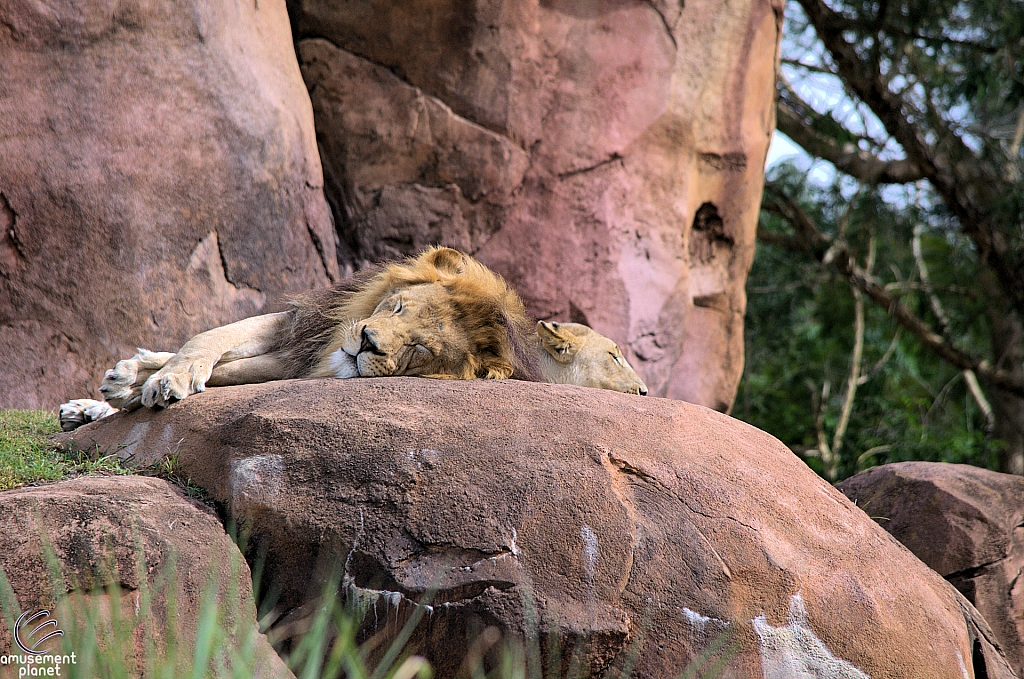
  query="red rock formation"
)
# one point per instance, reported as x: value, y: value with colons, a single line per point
x: 158, y: 177
x: 606, y: 517
x: 100, y: 531
x: 604, y: 155
x: 966, y: 523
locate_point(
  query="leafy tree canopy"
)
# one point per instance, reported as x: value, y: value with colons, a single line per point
x: 896, y: 333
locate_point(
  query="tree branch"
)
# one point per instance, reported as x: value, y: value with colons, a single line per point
x: 823, y: 452
x: 940, y: 313
x: 855, y: 367
x: 979, y: 398
x: 926, y: 280
x: 852, y: 381
x: 1012, y: 173
x: 808, y: 237
x: 846, y: 157
x: 950, y: 166
x: 837, y: 255
x: 796, y: 63
x: 877, y: 367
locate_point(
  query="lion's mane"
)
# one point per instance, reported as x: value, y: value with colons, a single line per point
x: 488, y: 310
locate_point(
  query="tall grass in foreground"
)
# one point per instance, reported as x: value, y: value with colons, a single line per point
x: 330, y: 648
x: 119, y: 634
x: 116, y: 633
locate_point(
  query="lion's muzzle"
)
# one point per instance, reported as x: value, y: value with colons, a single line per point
x: 368, y: 342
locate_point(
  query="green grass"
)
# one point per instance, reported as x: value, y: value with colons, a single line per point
x: 27, y: 456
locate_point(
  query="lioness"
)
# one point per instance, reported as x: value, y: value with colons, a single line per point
x: 441, y: 314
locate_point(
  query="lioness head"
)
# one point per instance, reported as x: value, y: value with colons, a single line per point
x: 441, y: 314
x: 576, y: 354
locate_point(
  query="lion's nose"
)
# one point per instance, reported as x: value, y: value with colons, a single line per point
x: 369, y: 342
x: 643, y: 391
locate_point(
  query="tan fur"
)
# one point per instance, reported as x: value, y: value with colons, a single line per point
x: 576, y: 354
x: 460, y: 310
x: 441, y: 314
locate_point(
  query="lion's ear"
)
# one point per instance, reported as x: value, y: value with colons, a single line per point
x: 559, y: 341
x: 445, y: 260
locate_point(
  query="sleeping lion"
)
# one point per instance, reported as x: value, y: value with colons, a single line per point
x: 441, y: 314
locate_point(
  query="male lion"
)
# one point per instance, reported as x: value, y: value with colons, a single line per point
x: 441, y: 314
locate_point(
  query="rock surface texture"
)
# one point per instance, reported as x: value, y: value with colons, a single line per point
x: 95, y: 528
x: 585, y: 514
x: 159, y: 176
x: 966, y: 523
x: 605, y: 156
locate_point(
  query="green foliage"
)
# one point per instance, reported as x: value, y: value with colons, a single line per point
x: 926, y: 95
x: 103, y: 638
x: 800, y: 335
x: 27, y: 456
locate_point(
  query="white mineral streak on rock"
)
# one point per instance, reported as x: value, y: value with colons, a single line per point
x: 963, y: 667
x: 699, y: 623
x: 589, y: 549
x: 256, y: 481
x: 134, y: 439
x: 795, y: 652
x: 362, y: 599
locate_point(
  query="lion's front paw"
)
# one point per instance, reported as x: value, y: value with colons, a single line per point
x: 74, y: 414
x: 122, y: 384
x: 179, y: 378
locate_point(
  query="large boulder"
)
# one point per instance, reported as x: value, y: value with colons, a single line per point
x: 596, y: 519
x: 966, y: 523
x: 158, y: 176
x: 68, y: 548
x: 606, y: 156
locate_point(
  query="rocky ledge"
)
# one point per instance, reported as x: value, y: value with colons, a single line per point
x: 584, y: 515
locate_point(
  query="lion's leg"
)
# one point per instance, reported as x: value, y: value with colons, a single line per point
x: 121, y: 389
x: 254, y: 370
x: 190, y: 369
x: 74, y: 414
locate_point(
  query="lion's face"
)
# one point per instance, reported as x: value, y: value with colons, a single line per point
x: 411, y: 332
x: 577, y: 354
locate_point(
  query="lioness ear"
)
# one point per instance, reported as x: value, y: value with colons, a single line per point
x: 558, y: 341
x: 445, y: 259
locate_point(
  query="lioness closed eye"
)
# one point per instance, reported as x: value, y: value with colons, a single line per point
x: 441, y: 314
